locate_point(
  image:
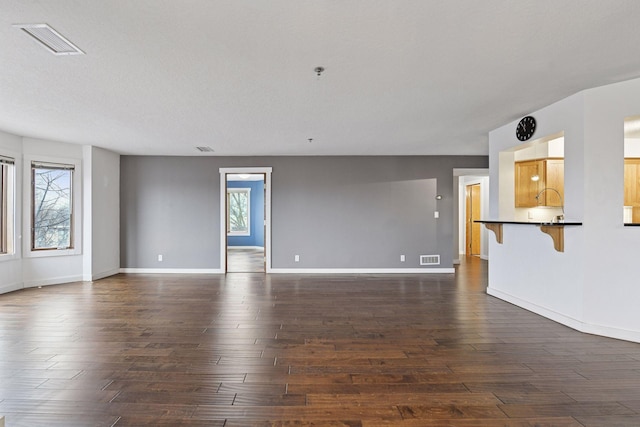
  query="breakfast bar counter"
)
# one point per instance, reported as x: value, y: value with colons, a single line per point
x: 553, y: 229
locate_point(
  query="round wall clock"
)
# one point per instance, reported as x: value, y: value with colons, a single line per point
x: 526, y: 128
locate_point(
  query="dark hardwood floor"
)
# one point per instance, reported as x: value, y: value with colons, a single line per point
x: 288, y: 350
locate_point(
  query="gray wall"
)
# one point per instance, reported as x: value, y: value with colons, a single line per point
x: 335, y: 212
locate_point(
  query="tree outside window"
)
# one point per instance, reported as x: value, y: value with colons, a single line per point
x: 52, y: 206
x: 238, y: 205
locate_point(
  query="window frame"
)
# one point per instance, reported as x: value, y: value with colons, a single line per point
x: 7, y: 206
x: 36, y: 166
x: 247, y: 191
x: 76, y: 207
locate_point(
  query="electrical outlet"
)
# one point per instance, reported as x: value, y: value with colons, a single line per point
x: 160, y: 258
x: 296, y: 258
x: 436, y: 214
x: 401, y: 258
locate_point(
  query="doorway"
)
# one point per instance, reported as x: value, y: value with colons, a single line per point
x: 473, y: 213
x: 462, y: 178
x: 245, y: 207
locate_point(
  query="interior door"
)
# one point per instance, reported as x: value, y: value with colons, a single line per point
x: 473, y: 214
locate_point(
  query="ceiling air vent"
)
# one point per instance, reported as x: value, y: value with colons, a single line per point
x: 51, y: 39
x: 205, y: 149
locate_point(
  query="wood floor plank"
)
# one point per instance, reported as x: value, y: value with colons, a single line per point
x: 303, y: 350
x: 486, y: 422
x: 167, y: 422
x: 451, y: 411
x: 400, y: 399
x: 53, y: 420
x: 572, y: 409
x: 610, y: 421
x: 292, y: 423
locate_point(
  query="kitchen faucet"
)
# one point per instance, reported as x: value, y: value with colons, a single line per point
x: 559, y: 217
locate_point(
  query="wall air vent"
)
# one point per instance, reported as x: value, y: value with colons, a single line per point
x: 51, y: 39
x: 205, y: 149
x: 429, y: 259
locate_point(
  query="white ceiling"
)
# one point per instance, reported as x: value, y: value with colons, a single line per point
x: 402, y: 77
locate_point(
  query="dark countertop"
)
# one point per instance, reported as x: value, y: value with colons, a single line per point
x: 530, y: 222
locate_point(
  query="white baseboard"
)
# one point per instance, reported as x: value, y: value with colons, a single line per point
x: 171, y: 270
x: 98, y: 276
x: 294, y: 270
x: 542, y: 311
x: 617, y: 333
x: 484, y: 257
x: 605, y: 331
x: 361, y: 270
x: 10, y: 287
x: 456, y: 261
x: 53, y: 281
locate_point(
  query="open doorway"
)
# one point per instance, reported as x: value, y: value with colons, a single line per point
x: 467, y: 239
x: 245, y: 220
x: 245, y: 223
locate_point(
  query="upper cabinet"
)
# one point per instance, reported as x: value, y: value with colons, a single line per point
x: 527, y: 187
x: 542, y: 178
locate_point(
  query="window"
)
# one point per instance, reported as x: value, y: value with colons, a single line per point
x: 51, y: 206
x: 6, y: 204
x: 238, y: 205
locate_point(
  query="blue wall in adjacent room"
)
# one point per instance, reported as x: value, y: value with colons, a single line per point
x: 256, y: 220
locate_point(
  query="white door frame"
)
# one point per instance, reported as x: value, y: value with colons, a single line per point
x: 223, y: 213
x: 459, y: 175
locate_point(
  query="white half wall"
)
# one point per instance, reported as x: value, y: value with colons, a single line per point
x: 592, y: 285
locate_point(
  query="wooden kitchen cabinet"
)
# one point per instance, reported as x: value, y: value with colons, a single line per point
x: 526, y: 189
x: 551, y: 177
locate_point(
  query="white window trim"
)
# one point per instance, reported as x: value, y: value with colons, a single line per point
x: 248, y: 191
x: 15, y: 253
x: 76, y: 221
